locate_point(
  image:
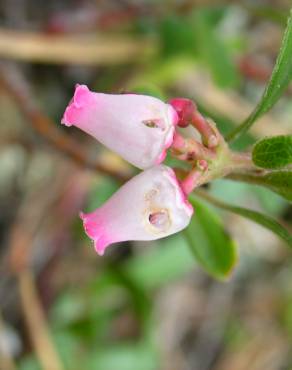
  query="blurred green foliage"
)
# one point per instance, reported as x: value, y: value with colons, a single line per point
x: 278, y: 83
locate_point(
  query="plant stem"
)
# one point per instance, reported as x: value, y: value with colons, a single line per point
x: 190, y: 149
x: 241, y: 162
x: 227, y: 164
x: 205, y: 128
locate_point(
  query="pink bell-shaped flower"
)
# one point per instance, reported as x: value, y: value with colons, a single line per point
x: 139, y: 128
x: 150, y: 206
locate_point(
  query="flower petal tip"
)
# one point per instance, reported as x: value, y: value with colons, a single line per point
x: 81, y: 96
x: 80, y: 99
x: 95, y: 232
x: 65, y: 119
x: 88, y: 225
x: 99, y: 247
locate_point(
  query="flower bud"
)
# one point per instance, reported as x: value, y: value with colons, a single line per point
x: 139, y: 128
x: 185, y: 109
x: 150, y: 206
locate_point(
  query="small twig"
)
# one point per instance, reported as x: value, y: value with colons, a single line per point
x: 17, y: 88
x: 20, y: 249
x: 36, y: 323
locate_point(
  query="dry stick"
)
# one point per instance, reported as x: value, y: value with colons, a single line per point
x: 20, y: 251
x: 47, y: 129
x: 87, y: 49
x: 36, y: 322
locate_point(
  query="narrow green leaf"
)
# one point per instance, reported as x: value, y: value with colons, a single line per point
x: 281, y: 76
x: 212, y: 247
x: 274, y: 152
x: 279, y: 182
x: 257, y: 217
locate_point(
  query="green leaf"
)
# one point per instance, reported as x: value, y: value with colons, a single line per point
x: 281, y: 76
x: 273, y: 152
x: 257, y: 217
x: 211, y: 245
x: 279, y: 182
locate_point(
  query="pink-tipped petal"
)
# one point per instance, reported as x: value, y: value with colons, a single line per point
x: 137, y: 127
x: 81, y: 96
x: 158, y: 208
x: 81, y: 100
x: 100, y: 246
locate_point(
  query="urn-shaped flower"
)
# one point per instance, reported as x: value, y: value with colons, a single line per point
x: 137, y: 127
x: 150, y: 206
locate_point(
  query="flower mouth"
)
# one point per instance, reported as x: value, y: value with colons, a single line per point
x: 160, y: 220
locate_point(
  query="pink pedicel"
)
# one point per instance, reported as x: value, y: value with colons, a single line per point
x: 185, y: 109
x: 150, y: 206
x: 181, y: 194
x: 137, y: 127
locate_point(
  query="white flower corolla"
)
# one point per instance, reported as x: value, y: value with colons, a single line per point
x: 137, y: 127
x: 150, y: 206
